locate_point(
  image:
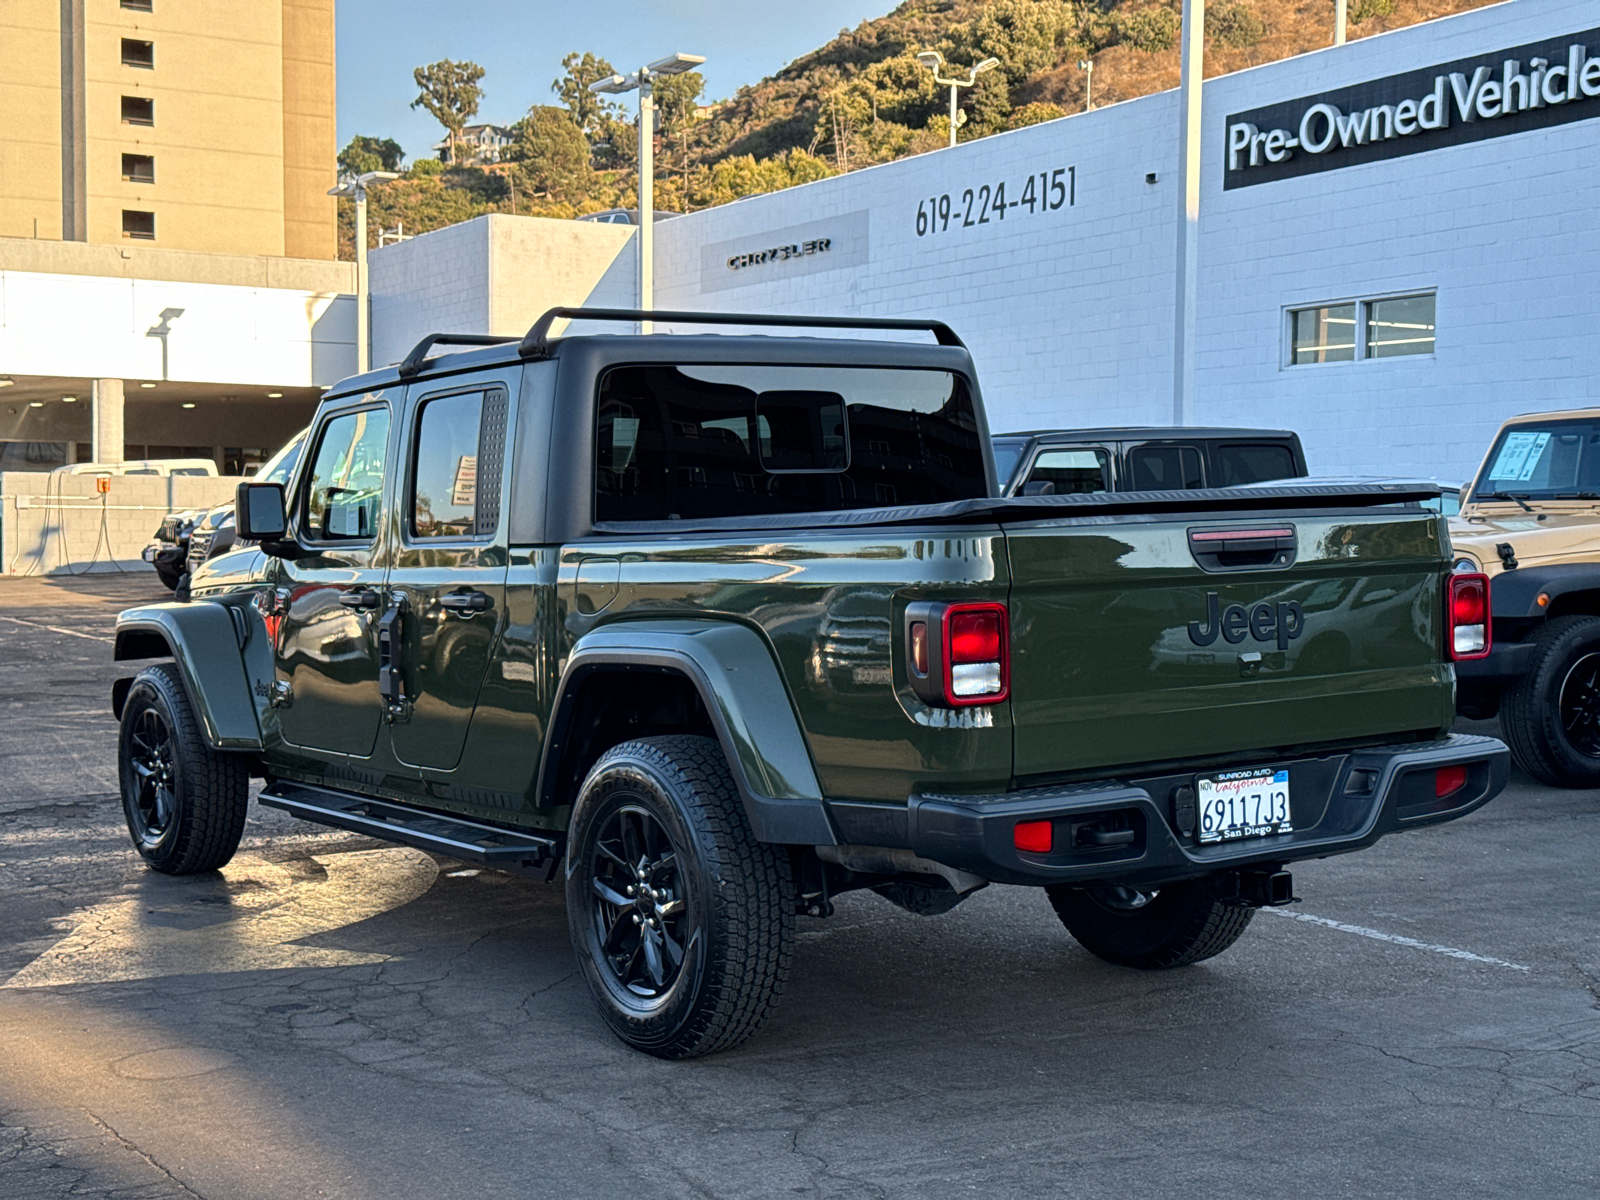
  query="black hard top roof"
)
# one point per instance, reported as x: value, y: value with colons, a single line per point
x: 1129, y: 433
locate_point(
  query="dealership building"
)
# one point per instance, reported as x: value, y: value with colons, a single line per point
x: 1399, y: 246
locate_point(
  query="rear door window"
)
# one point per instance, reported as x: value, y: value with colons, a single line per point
x: 1069, y: 471
x: 687, y: 441
x: 1157, y: 468
x: 1239, y: 463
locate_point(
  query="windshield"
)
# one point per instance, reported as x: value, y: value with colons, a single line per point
x: 1006, y: 453
x: 1555, y: 460
x: 280, y: 466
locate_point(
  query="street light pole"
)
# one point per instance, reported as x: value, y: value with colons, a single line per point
x: 643, y: 79
x: 1188, y: 264
x: 933, y: 60
x: 1340, y: 17
x: 354, y: 187
x: 1086, y: 65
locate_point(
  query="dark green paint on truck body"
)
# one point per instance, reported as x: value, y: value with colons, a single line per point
x: 782, y: 636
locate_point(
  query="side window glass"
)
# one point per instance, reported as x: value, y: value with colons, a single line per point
x: 444, y: 481
x: 345, y: 489
x: 1239, y: 463
x: 1165, y: 468
x: 1069, y: 472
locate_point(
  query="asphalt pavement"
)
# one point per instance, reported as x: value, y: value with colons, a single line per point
x: 329, y: 1016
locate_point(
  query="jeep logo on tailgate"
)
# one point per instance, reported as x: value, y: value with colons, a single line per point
x: 1264, y: 622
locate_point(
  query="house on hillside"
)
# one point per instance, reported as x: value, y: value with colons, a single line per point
x: 478, y: 143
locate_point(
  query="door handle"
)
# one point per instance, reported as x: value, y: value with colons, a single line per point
x: 464, y: 603
x: 360, y: 599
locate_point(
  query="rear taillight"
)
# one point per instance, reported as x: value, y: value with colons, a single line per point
x: 958, y: 655
x: 1467, y: 613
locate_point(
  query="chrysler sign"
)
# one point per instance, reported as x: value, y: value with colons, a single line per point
x: 1527, y: 87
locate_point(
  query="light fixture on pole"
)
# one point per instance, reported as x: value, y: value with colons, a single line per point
x: 933, y: 60
x: 642, y: 79
x: 354, y: 187
x: 1086, y: 65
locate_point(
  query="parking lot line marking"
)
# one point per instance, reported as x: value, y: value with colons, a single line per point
x: 93, y: 637
x: 1398, y: 940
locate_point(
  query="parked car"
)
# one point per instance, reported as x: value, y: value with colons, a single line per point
x: 149, y: 466
x: 715, y: 628
x: 1531, y: 522
x: 623, y: 216
x: 1447, y: 502
x: 186, y: 539
x: 1059, y: 462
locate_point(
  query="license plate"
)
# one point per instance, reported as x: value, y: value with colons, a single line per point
x: 1243, y: 804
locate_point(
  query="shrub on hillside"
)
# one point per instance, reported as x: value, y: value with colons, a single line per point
x: 1238, y: 25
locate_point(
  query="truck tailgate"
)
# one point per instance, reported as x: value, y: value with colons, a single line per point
x: 1127, y: 651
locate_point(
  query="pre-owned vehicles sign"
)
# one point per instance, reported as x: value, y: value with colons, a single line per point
x: 1510, y: 91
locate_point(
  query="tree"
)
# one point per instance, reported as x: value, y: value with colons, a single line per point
x: 589, y: 111
x: 551, y: 155
x: 744, y: 175
x: 365, y: 154
x: 450, y: 93
x: 677, y: 99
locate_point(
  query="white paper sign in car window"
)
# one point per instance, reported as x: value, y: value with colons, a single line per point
x: 1519, y: 456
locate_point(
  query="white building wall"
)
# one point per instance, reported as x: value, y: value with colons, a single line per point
x: 85, y: 325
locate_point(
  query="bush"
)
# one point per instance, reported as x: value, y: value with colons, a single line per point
x: 425, y: 168
x: 1149, y: 29
x: 1035, y: 114
x: 1365, y: 10
x: 1238, y: 25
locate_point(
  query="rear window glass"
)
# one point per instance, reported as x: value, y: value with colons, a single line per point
x: 1165, y: 468
x: 1240, y: 463
x: 1069, y: 472
x: 681, y: 441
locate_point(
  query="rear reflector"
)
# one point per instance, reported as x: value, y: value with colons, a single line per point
x: 1036, y: 837
x: 919, y: 648
x: 1446, y: 780
x: 1467, y: 610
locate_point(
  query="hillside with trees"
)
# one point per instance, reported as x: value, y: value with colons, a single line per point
x: 860, y: 100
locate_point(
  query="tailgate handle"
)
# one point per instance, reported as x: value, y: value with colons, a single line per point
x: 1251, y: 548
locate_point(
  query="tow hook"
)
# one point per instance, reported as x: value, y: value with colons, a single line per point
x: 1264, y: 887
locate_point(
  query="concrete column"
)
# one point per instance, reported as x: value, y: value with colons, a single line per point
x: 74, y: 150
x: 109, y: 433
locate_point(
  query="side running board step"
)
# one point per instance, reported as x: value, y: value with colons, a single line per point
x: 470, y: 841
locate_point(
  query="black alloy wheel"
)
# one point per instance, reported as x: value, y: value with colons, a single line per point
x: 1152, y: 928
x: 1579, y: 705
x: 185, y: 802
x: 1551, y: 715
x: 640, y: 912
x: 682, y: 922
x: 152, y: 800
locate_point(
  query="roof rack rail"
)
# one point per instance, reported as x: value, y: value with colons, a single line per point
x: 537, y: 342
x: 414, y: 361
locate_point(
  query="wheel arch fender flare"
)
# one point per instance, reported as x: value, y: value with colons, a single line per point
x: 205, y: 640
x: 1515, y: 594
x: 740, y: 685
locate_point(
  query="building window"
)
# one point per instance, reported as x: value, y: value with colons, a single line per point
x: 1400, y: 325
x: 1323, y: 335
x: 138, y: 54
x: 1380, y: 327
x: 139, y: 168
x: 139, y: 5
x: 138, y: 224
x: 138, y: 110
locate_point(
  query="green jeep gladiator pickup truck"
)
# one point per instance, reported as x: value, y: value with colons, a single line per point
x: 719, y: 627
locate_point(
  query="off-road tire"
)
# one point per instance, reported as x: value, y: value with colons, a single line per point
x: 1530, y: 714
x: 738, y: 923
x: 209, y: 790
x: 1179, y: 924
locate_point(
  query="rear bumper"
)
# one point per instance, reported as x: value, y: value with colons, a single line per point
x: 1340, y: 803
x: 1505, y: 663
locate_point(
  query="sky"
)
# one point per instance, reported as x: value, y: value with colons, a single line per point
x: 520, y: 47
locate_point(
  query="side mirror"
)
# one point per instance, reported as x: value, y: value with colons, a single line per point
x: 259, y: 512
x: 1466, y: 490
